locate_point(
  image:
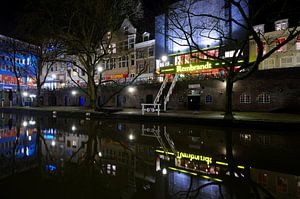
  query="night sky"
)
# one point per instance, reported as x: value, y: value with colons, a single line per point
x: 12, y: 10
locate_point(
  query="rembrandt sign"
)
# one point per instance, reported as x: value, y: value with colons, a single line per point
x: 180, y: 68
x: 188, y: 68
x: 192, y: 157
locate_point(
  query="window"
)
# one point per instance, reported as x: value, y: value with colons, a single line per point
x: 245, y: 137
x: 259, y: 28
x: 131, y: 41
x: 264, y: 48
x: 132, y: 60
x: 229, y: 53
x: 298, y: 43
x: 268, y: 63
x: 245, y: 98
x: 281, y: 24
x: 286, y: 61
x: 279, y: 41
x: 146, y: 36
x: 282, y: 185
x: 113, y: 48
x: 262, y: 179
x: 208, y: 99
x: 151, y: 52
x: 140, y: 54
x: 264, y: 98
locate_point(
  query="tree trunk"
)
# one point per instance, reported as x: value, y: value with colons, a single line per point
x: 38, y: 93
x: 228, y: 100
x: 93, y: 95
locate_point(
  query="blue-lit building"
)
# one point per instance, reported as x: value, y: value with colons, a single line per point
x: 13, y: 53
x: 203, y: 23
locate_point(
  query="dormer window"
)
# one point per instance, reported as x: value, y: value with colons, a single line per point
x: 146, y: 36
x: 281, y: 24
x: 126, y: 30
x: 259, y: 28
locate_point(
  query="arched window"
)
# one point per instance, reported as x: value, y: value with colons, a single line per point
x: 245, y: 98
x: 208, y: 99
x: 264, y: 98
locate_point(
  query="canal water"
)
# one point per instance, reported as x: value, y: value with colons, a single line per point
x: 56, y: 157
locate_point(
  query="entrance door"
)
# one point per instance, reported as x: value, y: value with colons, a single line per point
x: 81, y: 101
x: 149, y: 99
x: 119, y: 100
x: 66, y: 100
x: 194, y: 103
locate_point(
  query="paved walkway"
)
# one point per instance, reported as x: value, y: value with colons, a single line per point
x: 209, y: 115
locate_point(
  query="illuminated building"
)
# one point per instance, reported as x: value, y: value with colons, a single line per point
x: 13, y: 55
x: 287, y: 56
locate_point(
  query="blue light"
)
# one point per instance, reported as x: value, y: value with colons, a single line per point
x: 50, y: 167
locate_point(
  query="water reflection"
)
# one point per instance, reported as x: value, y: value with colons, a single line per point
x: 116, y: 159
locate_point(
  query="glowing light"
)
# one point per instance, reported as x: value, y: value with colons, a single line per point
x: 164, y: 58
x: 164, y: 152
x: 100, y: 154
x: 53, y: 143
x: 164, y: 171
x: 25, y: 123
x: 222, y: 163
x: 240, y: 167
x: 131, y: 89
x: 32, y: 122
x: 131, y: 137
x: 25, y: 94
x: 182, y: 171
x: 74, y: 92
x: 29, y: 138
x: 73, y: 128
x: 32, y: 95
x: 100, y: 69
x: 53, y: 76
x: 210, y: 178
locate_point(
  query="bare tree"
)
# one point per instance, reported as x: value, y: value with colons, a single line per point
x: 43, y: 58
x: 229, y: 25
x: 88, y: 37
x: 37, y: 26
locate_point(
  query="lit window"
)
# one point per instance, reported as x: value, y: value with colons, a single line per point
x: 298, y: 43
x: 282, y: 185
x: 264, y: 98
x: 264, y: 48
x: 131, y: 42
x: 279, y: 41
x: 208, y: 99
x: 259, y: 28
x: 231, y: 53
x: 281, y: 24
x: 263, y: 179
x: 245, y: 137
x: 245, y: 98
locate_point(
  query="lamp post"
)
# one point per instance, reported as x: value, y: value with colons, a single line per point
x: 74, y: 92
x: 164, y: 59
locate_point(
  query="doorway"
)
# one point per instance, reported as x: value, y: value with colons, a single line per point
x: 194, y: 102
x: 149, y: 99
x: 81, y: 101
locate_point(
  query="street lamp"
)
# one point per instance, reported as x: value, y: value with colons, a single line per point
x: 164, y: 58
x: 164, y: 171
x: 25, y: 94
x: 131, y: 89
x: 100, y: 69
x: 74, y: 92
